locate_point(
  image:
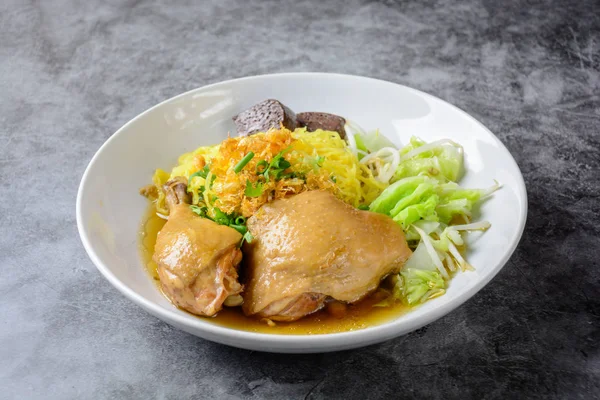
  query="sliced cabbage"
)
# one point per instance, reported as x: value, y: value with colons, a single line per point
x: 442, y: 160
x: 422, y: 198
x: 421, y: 192
x: 423, y: 210
x: 377, y: 153
x: 420, y: 259
x: 425, y: 199
x: 360, y: 146
x: 456, y: 201
x: 372, y: 141
x: 414, y: 143
x: 427, y: 226
x: 447, y: 211
x: 418, y: 285
x: 388, y: 199
x: 382, y: 163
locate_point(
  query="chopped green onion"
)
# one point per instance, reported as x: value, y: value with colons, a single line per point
x: 233, y: 221
x: 240, y: 228
x: 221, y: 218
x: 240, y: 165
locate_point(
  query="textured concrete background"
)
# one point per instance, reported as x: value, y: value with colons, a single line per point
x: 71, y: 73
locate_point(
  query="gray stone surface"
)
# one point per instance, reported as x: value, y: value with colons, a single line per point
x: 72, y: 72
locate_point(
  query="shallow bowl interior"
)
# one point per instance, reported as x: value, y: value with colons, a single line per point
x: 110, y: 210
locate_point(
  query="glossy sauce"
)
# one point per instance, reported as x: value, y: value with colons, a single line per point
x: 357, y: 316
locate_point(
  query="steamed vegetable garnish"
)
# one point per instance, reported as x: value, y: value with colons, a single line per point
x: 390, y: 197
x: 421, y: 197
x: 383, y: 163
x: 425, y: 200
x: 442, y: 160
x: 374, y: 141
x: 361, y: 149
x: 414, y: 212
x: 371, y: 142
x: 377, y: 152
x: 284, y: 198
x: 418, y: 285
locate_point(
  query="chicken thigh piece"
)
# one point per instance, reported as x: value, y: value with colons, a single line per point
x: 197, y: 258
x: 313, y: 247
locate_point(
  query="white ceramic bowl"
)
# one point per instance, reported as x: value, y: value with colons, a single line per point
x: 109, y: 208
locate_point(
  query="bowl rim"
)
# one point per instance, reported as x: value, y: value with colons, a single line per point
x: 348, y: 339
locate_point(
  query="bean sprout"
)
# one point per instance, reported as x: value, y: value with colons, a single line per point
x: 352, y: 129
x: 389, y: 157
x: 432, y: 253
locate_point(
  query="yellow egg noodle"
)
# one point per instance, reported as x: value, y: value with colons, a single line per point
x: 319, y: 160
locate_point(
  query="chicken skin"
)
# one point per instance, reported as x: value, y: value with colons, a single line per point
x: 197, y: 258
x: 313, y: 247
